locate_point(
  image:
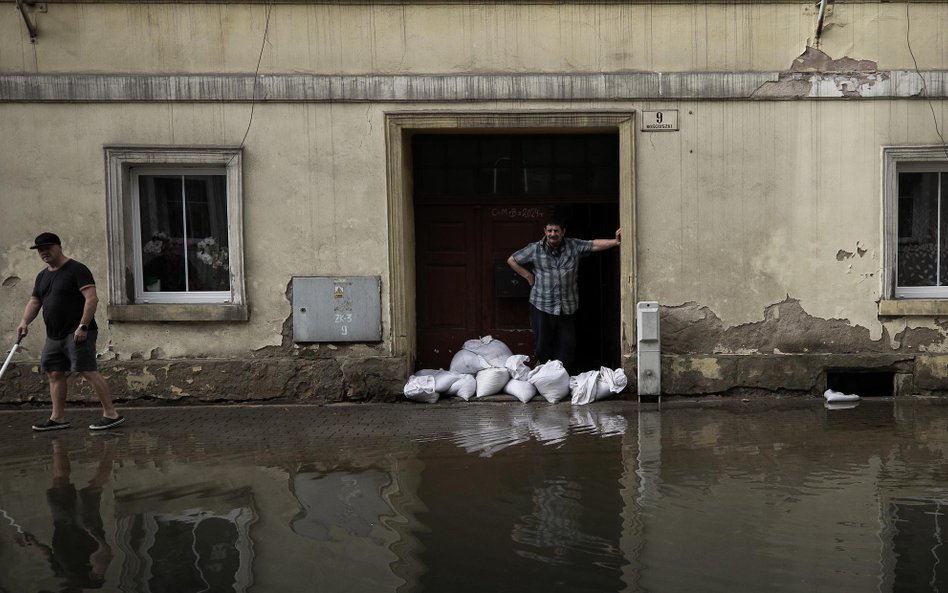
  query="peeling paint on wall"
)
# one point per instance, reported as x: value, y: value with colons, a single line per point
x: 786, y: 328
x: 816, y: 75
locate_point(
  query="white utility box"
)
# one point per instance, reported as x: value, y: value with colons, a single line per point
x: 649, y: 347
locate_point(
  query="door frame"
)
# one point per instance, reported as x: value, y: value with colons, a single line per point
x: 399, y: 128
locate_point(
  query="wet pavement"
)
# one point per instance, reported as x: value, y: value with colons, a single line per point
x: 720, y: 495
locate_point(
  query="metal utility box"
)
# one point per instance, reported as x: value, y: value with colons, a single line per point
x: 337, y: 309
x: 649, y: 348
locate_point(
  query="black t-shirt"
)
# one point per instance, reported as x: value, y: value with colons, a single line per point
x: 61, y: 298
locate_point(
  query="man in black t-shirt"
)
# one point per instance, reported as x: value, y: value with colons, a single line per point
x: 65, y: 291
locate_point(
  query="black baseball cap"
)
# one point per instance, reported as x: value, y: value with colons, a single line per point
x: 44, y: 239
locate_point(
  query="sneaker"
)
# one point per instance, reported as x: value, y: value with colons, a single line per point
x: 104, y: 423
x: 49, y: 424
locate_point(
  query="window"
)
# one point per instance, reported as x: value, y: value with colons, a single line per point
x: 181, y: 243
x: 175, y: 227
x: 922, y: 262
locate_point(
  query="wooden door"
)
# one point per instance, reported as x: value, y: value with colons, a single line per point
x: 461, y: 259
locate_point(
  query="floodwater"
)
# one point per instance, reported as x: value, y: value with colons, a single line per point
x: 722, y: 495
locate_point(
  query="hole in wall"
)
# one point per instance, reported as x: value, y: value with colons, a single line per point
x: 862, y: 383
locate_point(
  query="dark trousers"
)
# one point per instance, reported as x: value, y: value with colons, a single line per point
x: 555, y: 336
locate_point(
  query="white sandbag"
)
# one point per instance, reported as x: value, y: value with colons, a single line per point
x: 491, y: 381
x: 610, y: 381
x: 522, y: 390
x: 551, y: 381
x: 517, y: 365
x: 584, y: 388
x: 493, y: 351
x: 465, y: 361
x: 465, y: 387
x: 421, y: 389
x: 443, y: 379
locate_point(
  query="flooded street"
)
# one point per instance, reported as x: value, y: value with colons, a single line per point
x: 775, y: 495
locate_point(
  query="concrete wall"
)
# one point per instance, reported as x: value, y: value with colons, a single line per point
x: 758, y: 224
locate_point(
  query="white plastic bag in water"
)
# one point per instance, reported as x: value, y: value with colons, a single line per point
x: 491, y: 381
x: 465, y: 361
x: 551, y: 381
x: 522, y: 390
x: 517, y: 365
x: 465, y: 387
x: 493, y: 351
x: 421, y: 389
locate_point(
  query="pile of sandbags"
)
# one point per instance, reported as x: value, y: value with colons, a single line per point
x: 485, y: 367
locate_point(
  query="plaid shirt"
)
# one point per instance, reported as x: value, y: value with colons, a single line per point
x: 556, y: 290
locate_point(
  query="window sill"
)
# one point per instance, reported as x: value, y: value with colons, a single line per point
x: 178, y: 312
x: 913, y: 307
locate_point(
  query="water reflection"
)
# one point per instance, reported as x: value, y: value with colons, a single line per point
x: 721, y: 496
x: 77, y: 551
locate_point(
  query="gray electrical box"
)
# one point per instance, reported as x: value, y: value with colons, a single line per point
x: 337, y: 309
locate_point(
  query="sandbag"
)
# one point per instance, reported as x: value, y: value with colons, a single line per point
x: 591, y: 386
x: 584, y: 388
x: 443, y: 379
x: 465, y: 387
x: 551, y: 381
x: 465, y: 361
x: 493, y: 351
x: 517, y: 365
x: 421, y: 389
x: 491, y: 381
x: 522, y: 390
x: 615, y: 380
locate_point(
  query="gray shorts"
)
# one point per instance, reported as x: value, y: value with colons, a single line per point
x: 66, y: 355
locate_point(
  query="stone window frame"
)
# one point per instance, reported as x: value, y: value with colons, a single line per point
x: 399, y: 128
x: 900, y: 305
x: 119, y: 162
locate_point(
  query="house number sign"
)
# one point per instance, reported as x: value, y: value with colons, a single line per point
x: 665, y: 120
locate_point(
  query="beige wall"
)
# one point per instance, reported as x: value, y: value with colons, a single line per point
x: 314, y: 195
x: 748, y: 203
x: 139, y: 37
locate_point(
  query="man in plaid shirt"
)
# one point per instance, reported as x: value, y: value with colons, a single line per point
x: 550, y: 266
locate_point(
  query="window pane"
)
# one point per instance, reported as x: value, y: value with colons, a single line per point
x: 208, y: 255
x: 184, y: 233
x: 918, y: 229
x: 162, y: 224
x: 943, y: 224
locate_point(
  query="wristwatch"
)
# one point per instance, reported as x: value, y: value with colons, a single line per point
x: 84, y: 327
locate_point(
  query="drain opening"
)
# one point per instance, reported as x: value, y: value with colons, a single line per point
x: 862, y: 383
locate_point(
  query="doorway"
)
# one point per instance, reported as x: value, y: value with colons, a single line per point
x: 480, y: 197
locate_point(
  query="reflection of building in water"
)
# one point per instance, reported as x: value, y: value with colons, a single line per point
x: 206, y: 546
x: 916, y: 530
x: 823, y: 500
x: 339, y: 504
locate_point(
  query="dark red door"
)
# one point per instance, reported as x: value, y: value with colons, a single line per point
x: 465, y: 288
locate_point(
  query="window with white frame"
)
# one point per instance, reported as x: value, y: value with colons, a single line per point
x: 922, y: 268
x: 181, y: 237
x: 175, y: 228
